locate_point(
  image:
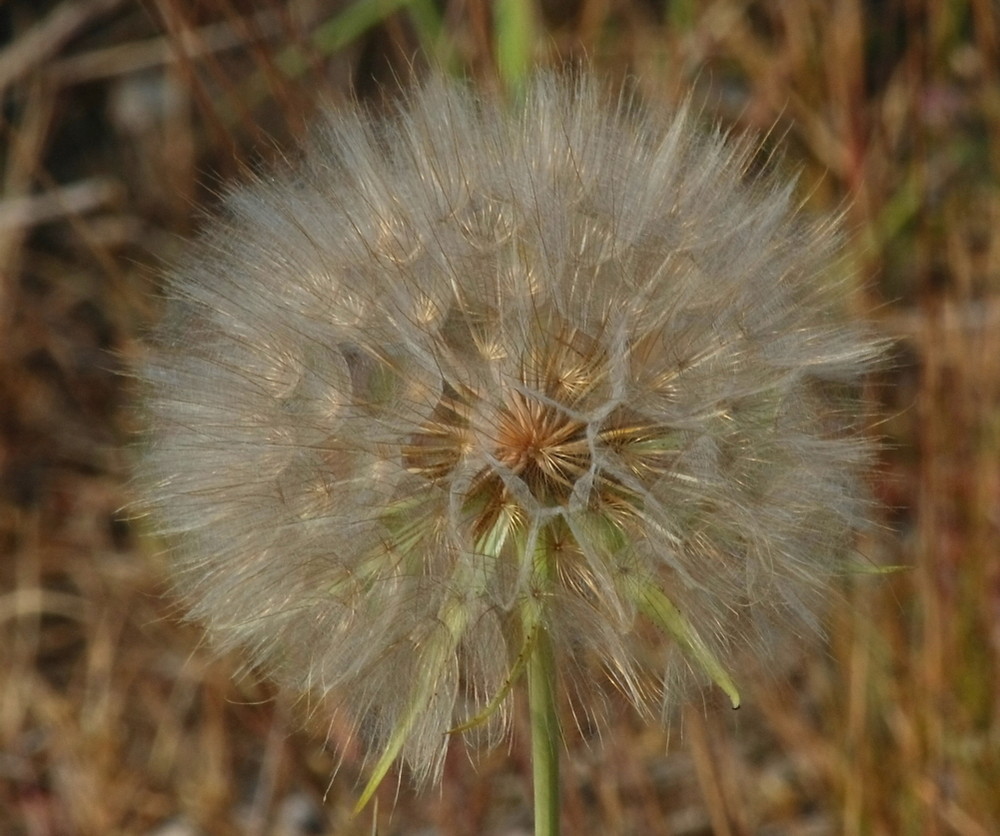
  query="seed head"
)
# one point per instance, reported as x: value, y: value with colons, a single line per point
x: 474, y: 372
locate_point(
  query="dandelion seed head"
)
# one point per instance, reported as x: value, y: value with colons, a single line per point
x: 448, y: 338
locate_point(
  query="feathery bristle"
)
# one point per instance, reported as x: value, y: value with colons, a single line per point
x: 454, y: 336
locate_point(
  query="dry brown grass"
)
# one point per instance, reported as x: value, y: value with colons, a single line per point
x: 120, y: 119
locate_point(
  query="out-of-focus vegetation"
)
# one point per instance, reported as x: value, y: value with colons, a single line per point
x: 121, y: 120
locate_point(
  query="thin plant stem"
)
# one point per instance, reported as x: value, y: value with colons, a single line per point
x: 515, y: 42
x: 544, y: 736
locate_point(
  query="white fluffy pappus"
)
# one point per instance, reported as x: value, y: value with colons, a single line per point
x: 472, y: 373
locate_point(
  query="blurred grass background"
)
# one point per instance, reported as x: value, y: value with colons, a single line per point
x: 121, y: 120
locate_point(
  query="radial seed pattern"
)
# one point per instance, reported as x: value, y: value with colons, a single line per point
x: 474, y: 372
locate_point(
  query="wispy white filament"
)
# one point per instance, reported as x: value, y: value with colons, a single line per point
x: 445, y: 339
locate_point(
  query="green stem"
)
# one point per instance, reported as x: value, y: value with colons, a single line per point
x: 544, y: 735
x: 514, y: 24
